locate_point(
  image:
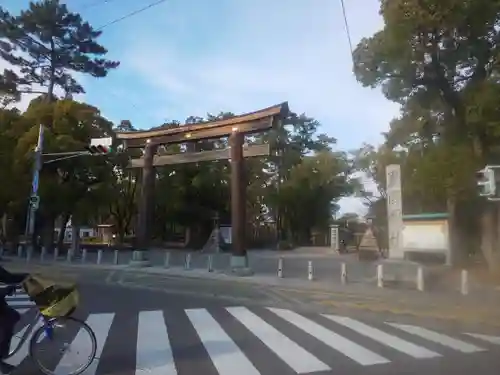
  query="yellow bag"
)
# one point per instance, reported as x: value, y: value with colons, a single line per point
x: 53, y: 300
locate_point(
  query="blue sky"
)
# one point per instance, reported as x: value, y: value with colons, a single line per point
x: 190, y: 57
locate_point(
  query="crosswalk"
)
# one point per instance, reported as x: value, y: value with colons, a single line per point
x: 244, y: 341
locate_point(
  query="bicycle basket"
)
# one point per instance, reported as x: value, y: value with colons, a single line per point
x: 52, y: 299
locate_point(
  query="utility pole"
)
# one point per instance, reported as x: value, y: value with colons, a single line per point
x: 34, y: 200
x: 98, y: 146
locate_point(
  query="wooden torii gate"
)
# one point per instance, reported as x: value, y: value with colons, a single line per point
x: 235, y: 128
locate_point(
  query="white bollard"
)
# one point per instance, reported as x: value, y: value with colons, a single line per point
x: 115, y: 259
x: 43, y: 253
x: 210, y: 263
x: 380, y: 276
x: 187, y: 265
x: 310, y: 270
x: 84, y: 255
x: 280, y: 268
x: 28, y: 255
x: 420, y: 279
x: 69, y: 256
x: 343, y: 273
x: 20, y: 251
x: 167, y: 260
x: 464, y: 282
x: 99, y: 256
x: 56, y: 254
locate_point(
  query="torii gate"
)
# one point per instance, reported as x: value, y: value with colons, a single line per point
x: 235, y: 128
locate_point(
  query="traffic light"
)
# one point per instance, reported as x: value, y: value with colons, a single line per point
x: 486, y: 181
x: 99, y: 149
x: 100, y: 146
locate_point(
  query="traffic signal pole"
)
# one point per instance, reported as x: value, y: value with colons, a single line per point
x: 34, y: 199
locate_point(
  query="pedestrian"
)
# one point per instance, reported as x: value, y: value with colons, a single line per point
x: 8, y: 316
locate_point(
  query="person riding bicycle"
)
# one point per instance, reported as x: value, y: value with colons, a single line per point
x: 8, y: 316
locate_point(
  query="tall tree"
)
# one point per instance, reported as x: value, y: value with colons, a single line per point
x: 46, y: 44
x: 438, y: 54
x: 64, y: 184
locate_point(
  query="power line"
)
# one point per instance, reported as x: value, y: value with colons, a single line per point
x: 131, y: 14
x: 348, y: 33
x: 135, y: 12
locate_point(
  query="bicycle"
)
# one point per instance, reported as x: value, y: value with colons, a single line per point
x: 46, y: 328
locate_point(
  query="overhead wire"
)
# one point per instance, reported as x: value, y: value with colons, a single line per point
x: 347, y: 30
x: 110, y: 23
x: 131, y: 14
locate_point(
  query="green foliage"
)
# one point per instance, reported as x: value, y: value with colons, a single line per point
x: 439, y: 59
x: 48, y: 46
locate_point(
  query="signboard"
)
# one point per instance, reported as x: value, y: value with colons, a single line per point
x: 35, y: 202
x: 106, y: 142
x: 334, y: 237
x: 225, y: 233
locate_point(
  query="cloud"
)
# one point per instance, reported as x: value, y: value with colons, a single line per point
x: 262, y: 53
x: 245, y: 55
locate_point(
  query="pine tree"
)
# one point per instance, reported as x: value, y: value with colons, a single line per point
x: 46, y: 44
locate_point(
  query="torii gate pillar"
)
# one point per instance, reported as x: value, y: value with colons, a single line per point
x: 239, y: 260
x: 139, y: 256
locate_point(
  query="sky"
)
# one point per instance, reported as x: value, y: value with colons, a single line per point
x: 193, y: 57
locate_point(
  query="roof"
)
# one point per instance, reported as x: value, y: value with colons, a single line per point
x: 279, y: 110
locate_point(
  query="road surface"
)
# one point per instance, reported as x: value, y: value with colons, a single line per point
x: 192, y: 327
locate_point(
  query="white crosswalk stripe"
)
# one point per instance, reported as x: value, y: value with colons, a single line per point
x: 287, y: 336
x: 154, y: 354
x: 384, y: 338
x: 487, y: 338
x: 227, y: 358
x: 439, y: 338
x: 20, y: 301
x: 347, y: 347
x: 299, y: 359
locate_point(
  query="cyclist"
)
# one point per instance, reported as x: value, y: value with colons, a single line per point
x: 8, y: 316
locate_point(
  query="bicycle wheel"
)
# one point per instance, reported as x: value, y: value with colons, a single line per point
x: 60, y: 346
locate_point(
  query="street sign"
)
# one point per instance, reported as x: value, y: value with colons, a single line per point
x: 35, y: 202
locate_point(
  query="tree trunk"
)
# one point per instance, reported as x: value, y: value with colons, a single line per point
x: 75, y: 238
x: 48, y: 233
x: 489, y: 238
x: 455, y: 241
x: 62, y: 231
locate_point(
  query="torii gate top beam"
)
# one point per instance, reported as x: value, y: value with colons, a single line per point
x: 248, y: 123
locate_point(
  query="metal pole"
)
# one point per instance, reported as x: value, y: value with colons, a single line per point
x: 31, y: 214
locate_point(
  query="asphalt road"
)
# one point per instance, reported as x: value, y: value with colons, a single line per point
x: 165, y: 326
